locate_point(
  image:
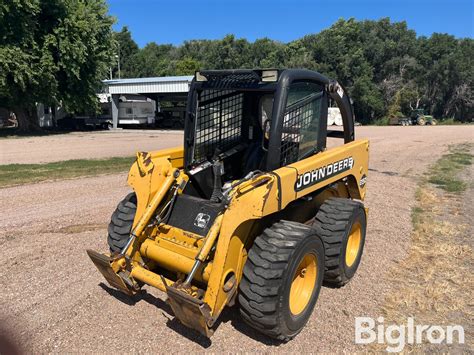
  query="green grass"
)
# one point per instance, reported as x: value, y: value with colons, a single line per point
x: 444, y: 172
x: 416, y: 215
x: 17, y: 174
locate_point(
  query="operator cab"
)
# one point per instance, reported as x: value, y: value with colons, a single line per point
x: 243, y: 122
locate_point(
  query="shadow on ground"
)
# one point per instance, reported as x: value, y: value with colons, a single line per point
x: 230, y: 314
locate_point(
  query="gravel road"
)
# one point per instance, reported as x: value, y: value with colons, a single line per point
x: 85, y: 145
x: 54, y: 300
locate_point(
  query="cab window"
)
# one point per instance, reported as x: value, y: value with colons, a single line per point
x: 301, y: 121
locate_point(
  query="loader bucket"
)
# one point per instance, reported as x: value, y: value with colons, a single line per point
x: 192, y: 312
x: 104, y: 264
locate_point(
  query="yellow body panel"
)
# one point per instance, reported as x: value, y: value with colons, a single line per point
x: 175, y: 156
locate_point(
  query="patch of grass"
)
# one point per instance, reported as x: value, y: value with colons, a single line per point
x: 16, y: 174
x: 430, y: 283
x: 444, y: 172
x: 416, y: 214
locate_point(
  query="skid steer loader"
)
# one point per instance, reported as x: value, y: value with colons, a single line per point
x: 252, y: 210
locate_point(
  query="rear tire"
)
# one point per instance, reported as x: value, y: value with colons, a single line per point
x: 121, y: 223
x: 341, y: 223
x: 282, y: 279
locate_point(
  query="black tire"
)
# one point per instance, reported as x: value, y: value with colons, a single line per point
x: 333, y: 223
x: 121, y: 223
x: 264, y: 291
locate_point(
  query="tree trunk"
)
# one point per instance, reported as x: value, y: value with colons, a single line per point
x: 26, y: 120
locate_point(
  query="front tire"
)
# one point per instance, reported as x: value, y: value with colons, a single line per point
x: 341, y: 223
x: 282, y: 279
x: 121, y: 223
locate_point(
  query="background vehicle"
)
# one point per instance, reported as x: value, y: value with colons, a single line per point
x: 252, y: 209
x: 136, y: 110
x: 417, y: 117
x: 83, y: 122
x: 171, y: 117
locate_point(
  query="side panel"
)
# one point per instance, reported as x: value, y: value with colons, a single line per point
x: 148, y: 172
x: 175, y: 155
x: 310, y: 174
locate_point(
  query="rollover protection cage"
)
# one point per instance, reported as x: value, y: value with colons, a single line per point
x: 216, y: 112
x: 217, y: 107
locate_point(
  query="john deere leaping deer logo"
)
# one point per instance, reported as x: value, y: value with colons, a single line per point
x: 202, y: 220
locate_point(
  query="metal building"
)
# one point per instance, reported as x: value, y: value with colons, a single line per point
x: 167, y: 88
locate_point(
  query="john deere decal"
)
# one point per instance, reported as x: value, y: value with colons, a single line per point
x: 320, y: 174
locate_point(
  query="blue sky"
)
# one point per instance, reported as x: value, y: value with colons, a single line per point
x: 177, y: 21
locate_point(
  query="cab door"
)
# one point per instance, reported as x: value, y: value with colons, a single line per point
x: 304, y: 123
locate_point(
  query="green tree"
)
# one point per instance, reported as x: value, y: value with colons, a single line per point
x: 187, y: 66
x: 54, y: 52
x: 266, y: 53
x: 447, y: 69
x: 125, y: 50
x: 297, y: 55
x: 227, y: 53
x: 154, y: 60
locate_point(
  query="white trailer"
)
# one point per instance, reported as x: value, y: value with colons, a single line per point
x: 136, y: 112
x: 133, y: 110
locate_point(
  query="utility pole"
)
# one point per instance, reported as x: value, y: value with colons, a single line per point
x: 118, y: 60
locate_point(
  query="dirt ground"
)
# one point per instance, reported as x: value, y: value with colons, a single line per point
x: 85, y: 145
x: 54, y: 300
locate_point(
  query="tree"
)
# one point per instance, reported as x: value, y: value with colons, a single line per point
x: 54, y: 52
x: 384, y: 65
x: 154, y: 60
x: 266, y: 53
x: 227, y: 53
x: 386, y: 68
x: 125, y: 49
x: 187, y: 66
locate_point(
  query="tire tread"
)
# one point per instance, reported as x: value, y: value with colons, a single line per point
x: 263, y: 276
x: 330, y: 223
x: 121, y: 223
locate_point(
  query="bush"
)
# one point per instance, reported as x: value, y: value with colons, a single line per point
x: 384, y: 121
x: 448, y: 121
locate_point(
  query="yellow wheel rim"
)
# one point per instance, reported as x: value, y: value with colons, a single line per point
x: 303, y: 284
x: 353, y: 244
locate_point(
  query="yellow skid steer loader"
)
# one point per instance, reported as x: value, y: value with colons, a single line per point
x: 253, y: 209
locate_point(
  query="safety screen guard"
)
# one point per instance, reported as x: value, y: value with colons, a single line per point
x: 301, y: 125
x: 218, y: 123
